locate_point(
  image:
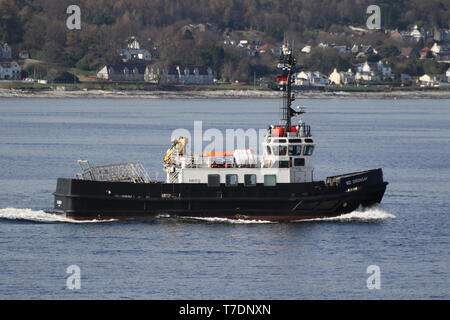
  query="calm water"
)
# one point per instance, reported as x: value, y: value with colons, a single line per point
x: 407, y: 236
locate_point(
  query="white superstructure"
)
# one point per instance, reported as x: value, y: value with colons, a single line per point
x: 286, y: 158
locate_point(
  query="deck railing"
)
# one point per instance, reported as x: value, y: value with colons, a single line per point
x: 121, y: 172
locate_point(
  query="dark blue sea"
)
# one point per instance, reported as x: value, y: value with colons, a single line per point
x: 406, y: 238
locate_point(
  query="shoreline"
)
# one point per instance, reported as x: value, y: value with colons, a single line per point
x: 221, y: 94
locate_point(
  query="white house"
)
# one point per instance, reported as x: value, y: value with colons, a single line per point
x: 301, y: 79
x: 420, y: 34
x: 448, y: 74
x: 436, y: 49
x: 367, y: 72
x: 367, y: 76
x: 432, y: 79
x: 364, y: 67
x: 440, y: 50
x: 311, y: 78
x: 180, y: 75
x: 134, y: 52
x: 342, y: 78
x: 128, y: 71
x: 10, y: 70
x: 416, y: 34
x: 373, y: 71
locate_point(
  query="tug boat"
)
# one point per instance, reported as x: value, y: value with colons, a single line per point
x: 277, y: 185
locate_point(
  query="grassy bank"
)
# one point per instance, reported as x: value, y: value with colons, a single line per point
x: 124, y: 86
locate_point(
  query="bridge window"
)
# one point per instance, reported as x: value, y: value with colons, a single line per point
x: 270, y: 180
x: 213, y: 180
x: 250, y: 180
x: 279, y: 150
x: 308, y: 150
x: 231, y: 180
x: 295, y: 150
x: 299, y: 162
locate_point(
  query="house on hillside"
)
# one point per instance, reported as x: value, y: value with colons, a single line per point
x: 10, y: 70
x: 385, y: 69
x: 367, y: 72
x: 311, y: 78
x: 134, y: 52
x: 406, y: 36
x: 342, y: 78
x: 432, y: 79
x: 126, y: 71
x: 366, y: 49
x: 418, y: 34
x: 440, y: 50
x: 176, y: 74
x: 370, y: 71
x: 367, y: 76
x: 246, y: 43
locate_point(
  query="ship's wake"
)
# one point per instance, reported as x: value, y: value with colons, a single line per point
x: 39, y: 216
x: 372, y: 214
x: 226, y: 220
x: 362, y: 215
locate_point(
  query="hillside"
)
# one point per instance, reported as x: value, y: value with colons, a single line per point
x: 39, y: 26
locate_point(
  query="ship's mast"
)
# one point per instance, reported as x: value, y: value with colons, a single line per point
x: 287, y: 64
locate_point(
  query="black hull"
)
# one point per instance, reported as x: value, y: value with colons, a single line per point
x: 86, y: 200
